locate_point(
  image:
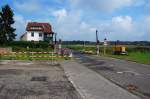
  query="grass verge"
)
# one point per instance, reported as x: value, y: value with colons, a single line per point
x: 134, y: 56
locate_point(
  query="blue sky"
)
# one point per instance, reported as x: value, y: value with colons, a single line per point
x: 127, y: 20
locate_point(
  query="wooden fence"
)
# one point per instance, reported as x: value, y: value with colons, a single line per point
x: 34, y: 55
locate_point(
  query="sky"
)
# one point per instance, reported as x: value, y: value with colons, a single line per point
x: 126, y: 20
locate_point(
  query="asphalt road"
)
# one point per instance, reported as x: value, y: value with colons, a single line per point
x: 34, y: 80
x: 132, y: 76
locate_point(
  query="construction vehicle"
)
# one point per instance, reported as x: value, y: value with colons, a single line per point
x: 119, y: 50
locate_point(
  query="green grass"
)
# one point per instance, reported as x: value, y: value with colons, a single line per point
x: 134, y: 56
x: 140, y: 54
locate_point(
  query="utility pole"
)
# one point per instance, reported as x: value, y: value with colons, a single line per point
x: 97, y: 43
x: 55, y: 38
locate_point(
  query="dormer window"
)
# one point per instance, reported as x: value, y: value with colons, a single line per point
x: 36, y: 28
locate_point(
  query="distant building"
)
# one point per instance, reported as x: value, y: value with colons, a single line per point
x: 36, y: 31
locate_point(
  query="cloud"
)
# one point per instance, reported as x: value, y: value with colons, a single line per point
x: 120, y: 28
x: 144, y: 27
x: 74, y: 19
x: 105, y: 5
x: 123, y: 23
x: 125, y: 28
x: 60, y: 14
x: 147, y: 6
x: 70, y: 25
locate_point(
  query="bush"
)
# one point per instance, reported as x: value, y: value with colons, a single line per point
x: 142, y: 49
x: 33, y: 46
x: 24, y: 44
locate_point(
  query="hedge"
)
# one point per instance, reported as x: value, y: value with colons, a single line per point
x: 26, y: 44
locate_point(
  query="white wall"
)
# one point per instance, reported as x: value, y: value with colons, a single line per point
x: 36, y: 36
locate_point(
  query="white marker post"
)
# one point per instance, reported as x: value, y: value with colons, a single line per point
x: 59, y: 47
x: 105, y: 45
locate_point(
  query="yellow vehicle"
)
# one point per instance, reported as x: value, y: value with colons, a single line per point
x: 119, y: 49
x: 89, y: 52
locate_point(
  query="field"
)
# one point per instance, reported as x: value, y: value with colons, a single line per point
x: 139, y: 54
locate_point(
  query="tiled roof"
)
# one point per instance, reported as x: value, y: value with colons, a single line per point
x: 36, y: 26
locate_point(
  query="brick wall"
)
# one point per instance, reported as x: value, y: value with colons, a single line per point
x: 5, y: 50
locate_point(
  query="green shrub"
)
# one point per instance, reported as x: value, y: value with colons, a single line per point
x: 29, y: 46
x: 24, y: 44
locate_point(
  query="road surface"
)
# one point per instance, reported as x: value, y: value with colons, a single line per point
x: 34, y: 80
x: 132, y: 76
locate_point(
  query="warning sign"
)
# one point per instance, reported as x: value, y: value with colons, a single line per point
x: 105, y: 42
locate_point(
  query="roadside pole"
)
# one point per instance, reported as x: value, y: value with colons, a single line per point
x: 52, y: 58
x: 104, y: 49
x: 105, y: 45
x: 97, y: 43
x: 83, y: 45
x: 59, y: 47
x: 28, y: 53
x: 97, y: 49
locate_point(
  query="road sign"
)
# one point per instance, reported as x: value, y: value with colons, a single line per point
x: 105, y: 42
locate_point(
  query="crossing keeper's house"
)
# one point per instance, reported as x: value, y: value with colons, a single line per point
x: 36, y: 31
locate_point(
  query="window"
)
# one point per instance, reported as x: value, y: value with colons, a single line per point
x: 40, y: 34
x: 36, y: 28
x: 32, y: 34
x: 49, y: 35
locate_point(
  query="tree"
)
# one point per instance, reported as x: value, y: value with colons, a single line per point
x: 6, y: 21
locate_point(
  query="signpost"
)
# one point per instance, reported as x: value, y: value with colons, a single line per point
x: 105, y: 45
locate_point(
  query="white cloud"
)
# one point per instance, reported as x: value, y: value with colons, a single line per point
x: 71, y: 22
x: 93, y: 29
x: 144, y: 27
x: 60, y: 14
x: 84, y: 25
x: 123, y: 23
x: 19, y: 19
x: 70, y: 25
x: 121, y: 28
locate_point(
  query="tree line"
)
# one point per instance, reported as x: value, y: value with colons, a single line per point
x: 138, y: 43
x: 7, y: 31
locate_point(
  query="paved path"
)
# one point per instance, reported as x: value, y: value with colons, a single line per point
x: 91, y: 85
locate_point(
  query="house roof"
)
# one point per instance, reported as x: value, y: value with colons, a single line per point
x: 36, y: 26
x: 23, y: 35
